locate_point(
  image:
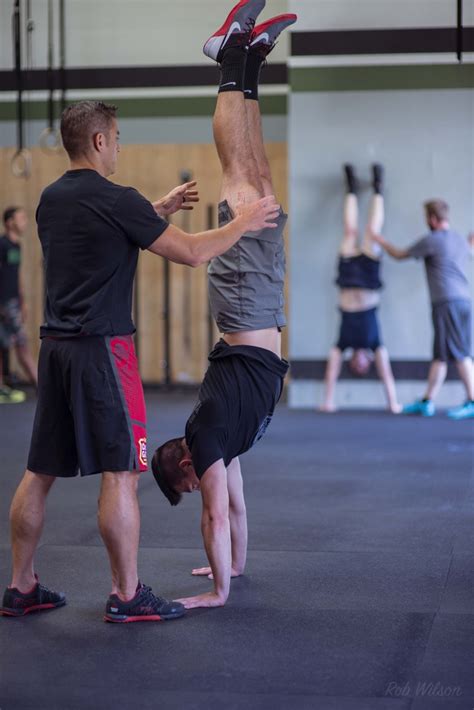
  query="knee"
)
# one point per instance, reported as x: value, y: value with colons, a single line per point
x: 121, y: 479
x: 39, y: 481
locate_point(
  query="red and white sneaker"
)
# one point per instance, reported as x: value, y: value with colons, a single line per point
x: 264, y: 36
x: 236, y: 30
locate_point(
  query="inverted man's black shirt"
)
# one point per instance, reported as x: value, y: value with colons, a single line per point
x: 236, y: 400
x: 91, y: 231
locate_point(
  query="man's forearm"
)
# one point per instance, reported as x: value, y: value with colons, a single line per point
x: 239, y: 537
x: 333, y: 369
x: 393, y: 251
x: 217, y: 543
x: 207, y: 245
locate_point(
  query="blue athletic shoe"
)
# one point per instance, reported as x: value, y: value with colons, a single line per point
x: 465, y: 411
x: 424, y: 409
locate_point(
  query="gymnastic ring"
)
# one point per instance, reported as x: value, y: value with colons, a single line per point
x: 50, y: 140
x: 21, y: 163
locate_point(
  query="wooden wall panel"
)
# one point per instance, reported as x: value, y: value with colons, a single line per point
x: 26, y: 193
x: 153, y: 170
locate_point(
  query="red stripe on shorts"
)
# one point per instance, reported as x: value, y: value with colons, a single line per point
x: 125, y: 359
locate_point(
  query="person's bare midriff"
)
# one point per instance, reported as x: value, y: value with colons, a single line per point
x: 358, y: 299
x: 269, y: 339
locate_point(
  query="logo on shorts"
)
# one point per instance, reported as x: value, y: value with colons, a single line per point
x: 142, y: 452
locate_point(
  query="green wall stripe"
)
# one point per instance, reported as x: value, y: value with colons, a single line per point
x: 377, y: 78
x: 182, y: 106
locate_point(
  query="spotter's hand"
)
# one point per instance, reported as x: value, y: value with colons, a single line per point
x: 178, y: 199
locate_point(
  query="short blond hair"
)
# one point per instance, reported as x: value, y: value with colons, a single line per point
x: 439, y: 209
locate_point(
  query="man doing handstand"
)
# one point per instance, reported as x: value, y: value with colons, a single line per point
x: 359, y: 284
x: 245, y: 377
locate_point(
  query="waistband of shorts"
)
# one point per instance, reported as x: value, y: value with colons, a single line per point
x: 367, y: 311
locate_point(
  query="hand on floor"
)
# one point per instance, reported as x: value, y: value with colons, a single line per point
x: 210, y: 599
x: 207, y: 572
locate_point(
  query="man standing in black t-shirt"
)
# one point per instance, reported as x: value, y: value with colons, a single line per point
x: 91, y: 410
x: 244, y: 380
x: 12, y: 302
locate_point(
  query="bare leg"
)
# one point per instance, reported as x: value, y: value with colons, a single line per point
x: 241, y: 183
x: 465, y: 371
x: 436, y: 377
x: 26, y: 524
x: 351, y: 226
x: 254, y: 121
x: 384, y: 371
x: 374, y: 227
x: 119, y: 525
x: 26, y: 361
x: 333, y: 370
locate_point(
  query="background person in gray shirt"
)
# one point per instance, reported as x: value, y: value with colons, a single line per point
x: 445, y: 253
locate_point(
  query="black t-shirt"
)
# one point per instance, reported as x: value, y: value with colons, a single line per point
x: 10, y: 259
x: 235, y: 403
x: 91, y: 231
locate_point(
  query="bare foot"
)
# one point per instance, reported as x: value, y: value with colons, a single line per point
x: 396, y: 408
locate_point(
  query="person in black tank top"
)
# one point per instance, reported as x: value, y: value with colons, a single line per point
x: 359, y: 281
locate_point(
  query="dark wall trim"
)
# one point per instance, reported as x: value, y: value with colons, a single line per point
x: 402, y: 370
x: 129, y: 77
x: 394, y: 77
x: 402, y: 41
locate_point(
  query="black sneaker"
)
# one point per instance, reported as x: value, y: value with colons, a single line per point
x: 144, y: 606
x: 377, y: 178
x: 351, y: 179
x: 15, y: 603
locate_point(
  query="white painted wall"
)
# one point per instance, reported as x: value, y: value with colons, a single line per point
x: 425, y: 140
x: 378, y: 14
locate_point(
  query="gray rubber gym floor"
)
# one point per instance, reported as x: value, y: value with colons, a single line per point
x: 359, y: 591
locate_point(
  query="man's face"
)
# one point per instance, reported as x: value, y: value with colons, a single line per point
x: 19, y: 222
x: 360, y: 362
x: 432, y: 222
x: 190, y: 482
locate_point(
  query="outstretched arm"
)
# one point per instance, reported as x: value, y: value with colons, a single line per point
x: 197, y: 249
x: 238, y: 522
x: 215, y: 528
x: 384, y: 371
x: 390, y: 248
x: 237, y: 517
x: 333, y: 368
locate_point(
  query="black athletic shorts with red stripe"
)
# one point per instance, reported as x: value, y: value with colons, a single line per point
x: 90, y: 415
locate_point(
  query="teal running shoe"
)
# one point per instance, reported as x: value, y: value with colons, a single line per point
x: 423, y: 409
x: 465, y: 411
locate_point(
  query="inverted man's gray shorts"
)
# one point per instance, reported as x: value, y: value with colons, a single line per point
x: 246, y: 283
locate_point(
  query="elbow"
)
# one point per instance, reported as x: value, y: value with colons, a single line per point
x: 216, y: 520
x: 194, y: 262
x: 195, y: 257
x: 237, y: 510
